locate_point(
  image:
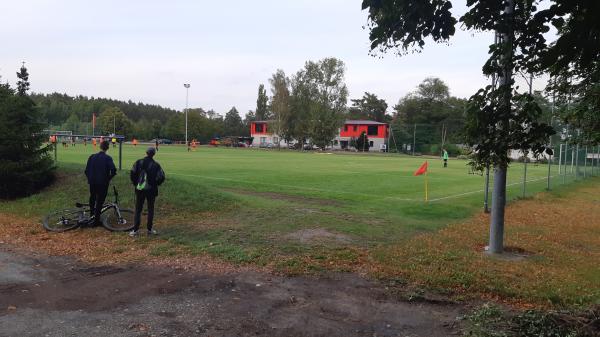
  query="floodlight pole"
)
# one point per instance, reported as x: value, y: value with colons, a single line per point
x: 187, y: 90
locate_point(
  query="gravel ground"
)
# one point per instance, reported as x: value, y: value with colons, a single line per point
x: 58, y: 296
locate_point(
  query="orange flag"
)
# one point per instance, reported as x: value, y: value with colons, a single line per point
x: 421, y: 170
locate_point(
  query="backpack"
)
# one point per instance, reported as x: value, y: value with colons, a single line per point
x: 142, y: 182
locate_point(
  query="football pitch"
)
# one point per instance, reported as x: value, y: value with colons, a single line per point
x: 377, y: 186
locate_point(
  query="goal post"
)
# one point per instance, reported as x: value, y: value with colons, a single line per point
x: 56, y: 136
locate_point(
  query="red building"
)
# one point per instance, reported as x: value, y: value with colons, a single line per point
x: 376, y: 132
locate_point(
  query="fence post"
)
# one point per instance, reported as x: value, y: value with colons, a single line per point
x: 414, y: 138
x: 585, y: 163
x: 565, y: 165
x: 560, y: 152
x: 524, y: 172
x: 577, y: 162
x: 486, y: 209
x: 120, y: 153
x: 550, y: 158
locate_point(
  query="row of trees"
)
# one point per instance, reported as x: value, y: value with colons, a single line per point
x: 142, y: 121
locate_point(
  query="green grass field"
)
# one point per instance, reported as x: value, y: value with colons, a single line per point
x: 299, y: 212
x: 374, y: 188
x: 372, y: 197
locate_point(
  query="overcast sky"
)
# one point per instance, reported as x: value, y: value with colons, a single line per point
x: 145, y: 50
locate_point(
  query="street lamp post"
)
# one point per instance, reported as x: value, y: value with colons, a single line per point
x: 187, y: 90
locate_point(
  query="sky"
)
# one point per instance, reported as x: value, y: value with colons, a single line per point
x: 144, y: 51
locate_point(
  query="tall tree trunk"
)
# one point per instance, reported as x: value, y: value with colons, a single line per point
x: 496, y: 245
x: 497, y: 218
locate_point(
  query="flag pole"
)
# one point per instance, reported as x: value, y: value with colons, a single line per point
x: 426, y: 187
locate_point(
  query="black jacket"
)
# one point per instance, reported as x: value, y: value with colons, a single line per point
x: 154, y: 173
x: 100, y: 169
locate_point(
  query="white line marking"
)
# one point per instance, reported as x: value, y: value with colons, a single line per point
x: 479, y: 191
x: 345, y: 192
x: 292, y: 186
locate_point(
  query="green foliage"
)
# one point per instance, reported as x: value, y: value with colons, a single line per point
x: 202, y: 126
x: 491, y: 321
x: 262, y: 109
x: 55, y: 108
x: 26, y: 165
x: 362, y: 142
x: 232, y: 124
x: 23, y: 83
x: 281, y: 105
x: 113, y: 120
x: 405, y: 24
x: 319, y: 97
x: 369, y: 107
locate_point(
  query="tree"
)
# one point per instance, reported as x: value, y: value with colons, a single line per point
x: 72, y: 123
x: 573, y: 64
x: 362, y: 142
x: 280, y: 105
x: 23, y: 83
x: 319, y: 97
x: 499, y: 119
x: 262, y: 109
x: 232, y: 124
x: 369, y: 107
x: 434, y: 112
x: 113, y: 120
x: 26, y: 165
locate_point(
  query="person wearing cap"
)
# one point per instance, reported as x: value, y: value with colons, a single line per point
x: 146, y: 175
x: 100, y: 169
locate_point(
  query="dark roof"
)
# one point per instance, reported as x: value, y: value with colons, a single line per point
x: 364, y: 122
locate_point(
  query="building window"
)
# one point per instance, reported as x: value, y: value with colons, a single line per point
x: 370, y: 143
x: 258, y: 128
x: 345, y: 128
x: 372, y: 130
x: 355, y: 128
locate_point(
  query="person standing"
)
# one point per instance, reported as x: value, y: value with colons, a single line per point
x: 100, y: 169
x: 146, y: 175
x: 445, y: 157
x: 156, y: 144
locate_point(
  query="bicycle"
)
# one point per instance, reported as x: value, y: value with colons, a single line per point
x: 113, y: 217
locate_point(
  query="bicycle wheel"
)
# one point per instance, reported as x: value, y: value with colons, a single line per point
x: 62, y: 220
x: 113, y: 222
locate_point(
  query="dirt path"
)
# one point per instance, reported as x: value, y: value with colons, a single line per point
x: 57, y: 296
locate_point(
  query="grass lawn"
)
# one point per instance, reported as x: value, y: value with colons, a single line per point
x: 307, y: 212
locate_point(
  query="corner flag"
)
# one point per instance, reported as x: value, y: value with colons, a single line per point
x: 423, y: 170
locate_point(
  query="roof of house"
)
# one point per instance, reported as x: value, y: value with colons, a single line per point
x: 363, y: 122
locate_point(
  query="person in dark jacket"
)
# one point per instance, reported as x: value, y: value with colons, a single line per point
x: 146, y: 175
x: 100, y: 169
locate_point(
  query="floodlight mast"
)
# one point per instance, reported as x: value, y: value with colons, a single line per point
x: 187, y: 90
